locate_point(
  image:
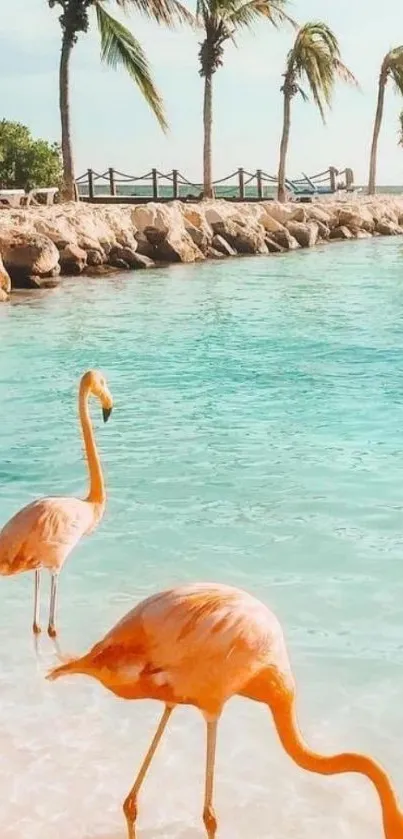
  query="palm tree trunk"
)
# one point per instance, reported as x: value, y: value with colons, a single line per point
x: 281, y: 195
x: 208, y: 125
x: 375, y: 137
x: 69, y: 192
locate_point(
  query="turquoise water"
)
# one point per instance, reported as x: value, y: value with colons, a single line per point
x: 257, y: 439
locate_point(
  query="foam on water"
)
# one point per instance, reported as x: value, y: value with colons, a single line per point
x: 257, y: 439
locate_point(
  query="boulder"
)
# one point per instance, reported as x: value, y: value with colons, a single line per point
x: 73, y: 260
x: 3, y: 296
x: 284, y: 238
x: 387, y: 228
x: 362, y: 234
x: 127, y: 255
x: 322, y: 216
x: 270, y: 224
x: 175, y: 246
x: 95, y: 257
x: 27, y: 254
x: 341, y: 233
x: 272, y: 246
x: 323, y: 230
x: 220, y: 244
x: 5, y: 282
x: 139, y: 262
x: 356, y: 219
x: 144, y: 247
x: 115, y: 262
x: 199, y: 237
x: 306, y: 233
x: 212, y: 253
x: 242, y: 239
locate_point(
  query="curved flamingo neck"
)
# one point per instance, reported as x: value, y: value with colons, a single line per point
x: 285, y: 719
x: 96, y: 494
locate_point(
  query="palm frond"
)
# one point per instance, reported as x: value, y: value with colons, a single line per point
x: 120, y: 47
x: 315, y: 56
x: 245, y: 14
x: 394, y: 62
x: 167, y: 12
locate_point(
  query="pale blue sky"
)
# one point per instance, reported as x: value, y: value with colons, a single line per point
x: 113, y: 127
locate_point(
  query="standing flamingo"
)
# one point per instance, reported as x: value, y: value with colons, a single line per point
x: 199, y: 645
x: 44, y: 533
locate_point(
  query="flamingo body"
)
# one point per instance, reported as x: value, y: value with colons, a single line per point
x: 199, y: 645
x: 44, y: 533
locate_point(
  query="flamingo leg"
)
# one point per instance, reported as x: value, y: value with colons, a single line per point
x: 130, y: 805
x: 209, y: 816
x: 35, y: 626
x: 53, y: 605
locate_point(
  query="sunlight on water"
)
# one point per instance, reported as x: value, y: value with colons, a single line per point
x: 256, y: 439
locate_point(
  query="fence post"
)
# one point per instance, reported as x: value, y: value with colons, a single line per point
x: 175, y: 185
x: 241, y: 181
x: 333, y: 174
x: 259, y: 183
x: 349, y: 178
x: 112, y: 185
x: 155, y: 183
x: 90, y: 183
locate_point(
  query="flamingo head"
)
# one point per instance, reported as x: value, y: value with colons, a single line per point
x: 95, y: 383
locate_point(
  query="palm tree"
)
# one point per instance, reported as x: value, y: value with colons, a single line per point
x: 119, y: 47
x: 314, y: 58
x: 391, y: 67
x: 220, y: 20
x: 400, y: 135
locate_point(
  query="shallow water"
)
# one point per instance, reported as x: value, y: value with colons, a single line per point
x: 257, y: 439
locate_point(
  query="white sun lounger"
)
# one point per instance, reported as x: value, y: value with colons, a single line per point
x: 12, y: 197
x: 49, y: 192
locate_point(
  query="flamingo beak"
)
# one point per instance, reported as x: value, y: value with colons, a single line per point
x: 106, y: 412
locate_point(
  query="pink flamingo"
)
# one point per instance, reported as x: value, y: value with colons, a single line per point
x: 44, y: 533
x: 199, y: 645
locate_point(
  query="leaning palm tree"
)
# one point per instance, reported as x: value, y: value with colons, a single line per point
x: 314, y: 58
x: 391, y: 67
x: 400, y: 134
x: 220, y: 20
x: 119, y: 47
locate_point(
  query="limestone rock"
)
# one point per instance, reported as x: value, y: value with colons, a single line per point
x: 242, y: 239
x: 73, y: 260
x: 306, y: 234
x: 115, y: 262
x: 144, y: 247
x: 387, y: 228
x: 362, y: 234
x: 5, y: 282
x: 272, y: 246
x: 140, y: 262
x: 3, y: 296
x: 27, y: 254
x: 95, y: 257
x: 341, y: 233
x: 175, y: 246
x: 127, y: 255
x: 212, y: 253
x: 284, y: 238
x: 220, y: 244
x: 322, y: 215
x: 323, y: 231
x: 199, y: 237
x: 270, y: 224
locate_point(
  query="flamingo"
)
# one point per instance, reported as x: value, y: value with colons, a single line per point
x: 44, y: 533
x: 200, y: 645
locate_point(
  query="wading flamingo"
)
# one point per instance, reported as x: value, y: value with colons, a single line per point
x: 199, y: 645
x: 44, y: 533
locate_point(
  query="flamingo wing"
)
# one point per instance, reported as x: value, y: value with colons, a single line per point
x: 43, y: 533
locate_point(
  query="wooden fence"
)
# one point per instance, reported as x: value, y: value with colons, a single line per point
x: 113, y: 186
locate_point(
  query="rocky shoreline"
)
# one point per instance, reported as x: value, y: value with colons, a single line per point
x: 39, y: 244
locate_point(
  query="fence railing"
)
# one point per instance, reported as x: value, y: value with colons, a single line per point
x: 240, y: 185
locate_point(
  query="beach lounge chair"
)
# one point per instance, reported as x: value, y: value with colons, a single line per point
x: 48, y: 192
x: 12, y: 198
